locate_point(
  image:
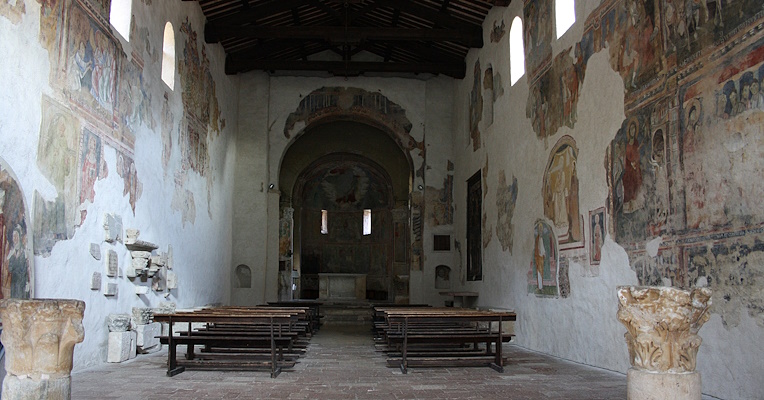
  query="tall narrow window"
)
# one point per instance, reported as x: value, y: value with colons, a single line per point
x: 474, y: 228
x: 324, y: 222
x: 366, y: 222
x: 168, y: 56
x: 119, y: 16
x: 516, y: 51
x: 564, y: 15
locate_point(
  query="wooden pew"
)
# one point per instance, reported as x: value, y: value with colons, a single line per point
x: 425, y: 337
x: 266, y: 332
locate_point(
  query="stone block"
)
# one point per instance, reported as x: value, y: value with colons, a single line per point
x: 95, y: 251
x: 142, y: 315
x: 147, y: 340
x: 119, y: 347
x: 111, y: 290
x: 118, y: 322
x: 112, y: 264
x: 112, y: 228
x: 133, y: 344
x: 172, y: 280
x: 139, y: 290
x: 95, y: 281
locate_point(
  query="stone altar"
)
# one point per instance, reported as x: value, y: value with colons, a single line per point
x: 341, y: 286
x: 39, y: 337
x: 662, y: 337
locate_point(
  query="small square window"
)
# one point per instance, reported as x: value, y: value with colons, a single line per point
x: 441, y: 242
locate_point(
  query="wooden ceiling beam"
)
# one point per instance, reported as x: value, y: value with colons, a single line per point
x: 252, y: 14
x: 235, y: 65
x: 337, y: 34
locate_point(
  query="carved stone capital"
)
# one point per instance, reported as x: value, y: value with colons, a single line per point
x: 39, y: 336
x: 662, y: 325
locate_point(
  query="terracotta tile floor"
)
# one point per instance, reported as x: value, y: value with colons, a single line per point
x: 341, y: 363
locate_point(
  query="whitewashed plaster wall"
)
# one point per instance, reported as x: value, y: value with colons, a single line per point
x: 200, y: 248
x: 582, y: 327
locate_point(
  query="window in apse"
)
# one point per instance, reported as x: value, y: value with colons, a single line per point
x: 324, y: 222
x: 366, y: 222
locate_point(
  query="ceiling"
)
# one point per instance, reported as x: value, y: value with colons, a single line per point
x: 347, y: 37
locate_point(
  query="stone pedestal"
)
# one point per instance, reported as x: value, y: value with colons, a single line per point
x: 39, y: 337
x: 662, y: 325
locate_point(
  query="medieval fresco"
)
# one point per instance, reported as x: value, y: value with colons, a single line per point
x: 440, y: 203
x: 91, y: 167
x: 597, y: 235
x: 475, y: 107
x: 498, y: 31
x: 134, y: 98
x: 58, y: 154
x: 677, y: 166
x: 133, y: 188
x: 560, y: 191
x: 506, y: 198
x: 15, y: 262
x: 542, y: 276
x: 553, y: 93
x: 538, y: 35
x: 13, y: 10
x: 200, y: 101
x: 89, y: 59
x: 346, y: 185
x: 354, y: 103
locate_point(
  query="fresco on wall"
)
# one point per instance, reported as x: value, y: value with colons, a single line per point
x: 15, y: 263
x: 183, y: 201
x: 691, y: 27
x: 12, y: 10
x: 50, y: 27
x: 488, y: 86
x: 90, y: 55
x: 134, y: 98
x: 717, y: 191
x: 346, y: 185
x: 538, y: 35
x: 440, y: 203
x: 640, y: 197
x: 475, y: 107
x: 553, y: 96
x: 168, y: 128
x: 285, y: 233
x: 560, y: 191
x: 57, y: 158
x: 542, y: 276
x: 506, y: 198
x: 332, y: 102
x: 200, y: 101
x: 598, y: 232
x: 92, y: 167
x: 133, y: 188
x: 498, y: 31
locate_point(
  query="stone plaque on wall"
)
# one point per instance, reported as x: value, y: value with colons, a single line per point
x: 112, y: 264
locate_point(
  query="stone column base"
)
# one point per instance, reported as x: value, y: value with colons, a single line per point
x: 645, y: 385
x: 15, y: 388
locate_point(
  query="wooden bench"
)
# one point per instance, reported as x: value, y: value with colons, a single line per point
x: 428, y: 337
x: 266, y: 332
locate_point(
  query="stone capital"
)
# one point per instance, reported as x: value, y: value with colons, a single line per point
x: 662, y: 325
x: 39, y: 336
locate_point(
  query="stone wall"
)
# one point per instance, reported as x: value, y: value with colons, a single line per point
x: 97, y: 143
x: 628, y: 138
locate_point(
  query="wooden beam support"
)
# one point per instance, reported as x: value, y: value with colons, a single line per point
x: 350, y: 68
x: 473, y: 37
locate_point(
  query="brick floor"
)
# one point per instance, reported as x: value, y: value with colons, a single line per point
x: 341, y: 363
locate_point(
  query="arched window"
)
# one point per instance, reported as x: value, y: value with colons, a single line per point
x: 168, y: 56
x: 119, y: 16
x: 564, y: 15
x: 516, y: 51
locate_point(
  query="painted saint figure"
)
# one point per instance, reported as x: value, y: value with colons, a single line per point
x: 632, y: 173
x: 539, y: 255
x: 89, y: 171
x: 597, y: 239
